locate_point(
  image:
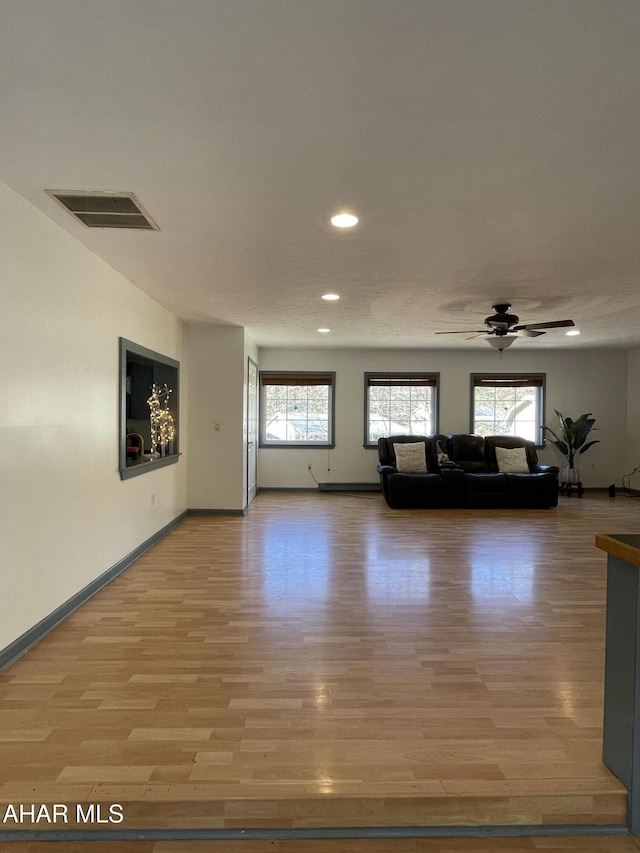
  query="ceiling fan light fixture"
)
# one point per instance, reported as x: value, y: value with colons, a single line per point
x: 503, y: 328
x: 500, y: 342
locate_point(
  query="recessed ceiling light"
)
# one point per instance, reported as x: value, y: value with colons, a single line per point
x: 344, y: 220
x: 330, y: 297
x: 324, y: 331
x: 574, y: 332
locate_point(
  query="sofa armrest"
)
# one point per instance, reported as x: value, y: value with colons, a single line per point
x: 544, y: 469
x: 386, y: 469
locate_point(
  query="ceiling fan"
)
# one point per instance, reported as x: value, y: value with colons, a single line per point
x: 504, y: 327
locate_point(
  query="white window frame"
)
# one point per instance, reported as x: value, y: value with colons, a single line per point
x: 299, y: 379
x: 404, y: 379
x: 536, y: 381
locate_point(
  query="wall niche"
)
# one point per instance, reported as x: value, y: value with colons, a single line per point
x: 149, y: 410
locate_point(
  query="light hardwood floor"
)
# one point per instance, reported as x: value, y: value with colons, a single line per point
x: 327, y: 661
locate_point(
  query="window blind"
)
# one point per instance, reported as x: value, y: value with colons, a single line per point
x: 500, y: 380
x: 409, y: 380
x: 293, y: 378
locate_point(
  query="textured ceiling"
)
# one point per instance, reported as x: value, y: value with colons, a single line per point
x: 490, y: 147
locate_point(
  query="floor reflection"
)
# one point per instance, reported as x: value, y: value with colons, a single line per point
x: 296, y: 557
x: 299, y: 560
x: 506, y: 575
x: 395, y: 575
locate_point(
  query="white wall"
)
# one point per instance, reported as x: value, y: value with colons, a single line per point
x: 250, y: 352
x: 65, y: 514
x: 216, y: 355
x: 633, y: 417
x: 578, y: 381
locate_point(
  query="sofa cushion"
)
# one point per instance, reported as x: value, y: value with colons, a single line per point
x: 487, y: 490
x: 414, y: 490
x: 486, y: 482
x: 386, y: 453
x: 467, y: 446
x: 512, y: 460
x: 467, y: 451
x: 509, y: 441
x: 411, y: 458
x: 533, y: 491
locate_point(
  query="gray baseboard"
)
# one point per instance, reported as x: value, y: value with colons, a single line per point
x: 288, y: 489
x: 326, y: 487
x: 203, y: 512
x: 349, y: 487
x: 29, y: 639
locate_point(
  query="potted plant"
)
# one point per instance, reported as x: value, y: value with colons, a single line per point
x: 571, y: 442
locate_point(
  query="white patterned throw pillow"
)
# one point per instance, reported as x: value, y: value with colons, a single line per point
x: 512, y: 460
x: 411, y: 457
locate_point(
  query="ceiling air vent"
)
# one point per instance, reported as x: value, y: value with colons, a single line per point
x: 105, y: 209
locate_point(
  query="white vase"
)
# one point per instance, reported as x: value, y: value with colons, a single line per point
x: 570, y: 475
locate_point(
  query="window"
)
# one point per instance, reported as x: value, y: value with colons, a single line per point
x: 297, y: 409
x: 508, y: 404
x: 399, y: 404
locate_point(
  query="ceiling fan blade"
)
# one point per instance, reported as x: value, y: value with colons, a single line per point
x: 532, y: 333
x: 466, y: 332
x: 554, y: 324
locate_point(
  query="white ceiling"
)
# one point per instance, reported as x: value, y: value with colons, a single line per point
x: 490, y: 147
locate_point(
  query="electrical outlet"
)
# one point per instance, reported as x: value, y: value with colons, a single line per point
x: 153, y: 499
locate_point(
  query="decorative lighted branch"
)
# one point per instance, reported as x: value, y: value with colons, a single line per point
x: 162, y: 426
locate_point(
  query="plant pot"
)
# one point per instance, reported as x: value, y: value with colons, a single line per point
x: 570, y: 475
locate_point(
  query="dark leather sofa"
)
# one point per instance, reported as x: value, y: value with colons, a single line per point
x: 471, y: 477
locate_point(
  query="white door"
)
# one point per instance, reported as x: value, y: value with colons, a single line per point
x: 252, y: 430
